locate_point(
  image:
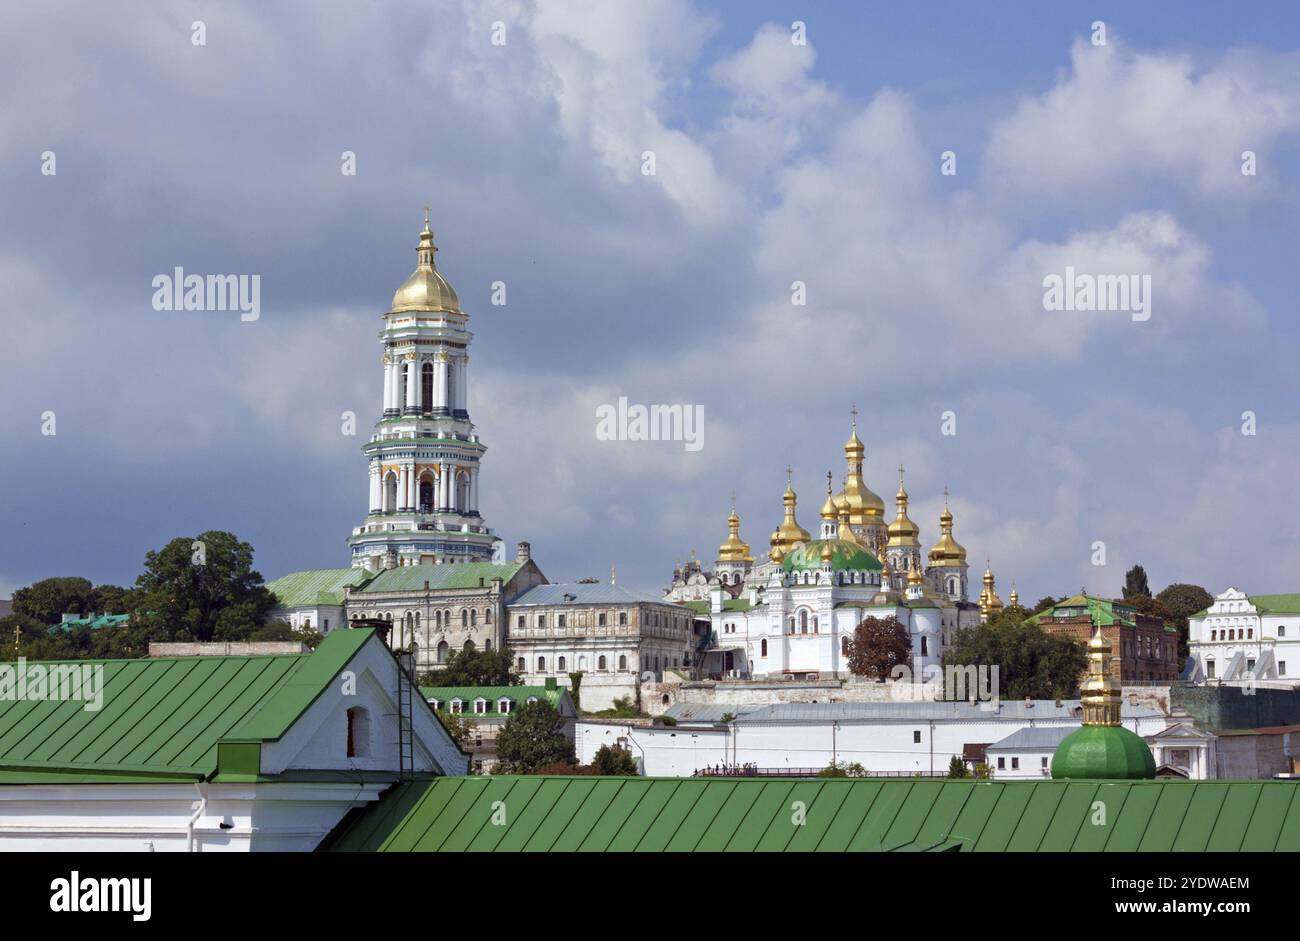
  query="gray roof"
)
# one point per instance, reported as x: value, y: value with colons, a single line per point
x: 793, y: 713
x: 598, y: 593
x: 1039, y: 736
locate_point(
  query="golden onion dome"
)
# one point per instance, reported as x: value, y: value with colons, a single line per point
x: 914, y: 575
x: 827, y: 552
x: 789, y: 534
x: 947, y: 552
x: 426, y: 289
x: 734, y: 549
x: 830, y: 510
x: 902, y: 531
x: 845, y: 531
x: 864, y: 506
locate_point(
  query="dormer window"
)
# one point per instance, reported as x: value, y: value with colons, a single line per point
x: 457, y: 706
x: 480, y: 707
x: 503, y: 706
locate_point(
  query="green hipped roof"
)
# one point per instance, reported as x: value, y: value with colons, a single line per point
x: 807, y: 557
x: 1103, y: 752
x: 518, y: 695
x: 1101, y: 610
x: 460, y: 575
x: 168, y: 718
x: 564, y: 814
x: 315, y: 586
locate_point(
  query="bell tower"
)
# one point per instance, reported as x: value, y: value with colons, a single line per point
x: 425, y: 455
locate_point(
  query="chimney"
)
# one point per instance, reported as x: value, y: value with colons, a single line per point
x: 523, y: 552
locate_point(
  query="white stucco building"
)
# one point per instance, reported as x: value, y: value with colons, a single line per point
x: 1245, y: 638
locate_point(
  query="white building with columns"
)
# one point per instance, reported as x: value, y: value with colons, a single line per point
x: 425, y: 455
x: 1243, y: 638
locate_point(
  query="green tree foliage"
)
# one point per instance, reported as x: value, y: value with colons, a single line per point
x: 1047, y: 601
x: 533, y: 737
x: 877, y: 646
x: 613, y: 760
x: 201, y: 589
x: 50, y: 598
x: 112, y: 599
x: 284, y: 631
x: 1031, y: 662
x: 957, y: 768
x: 474, y: 667
x: 458, y: 727
x: 1182, y: 601
x: 1135, y: 583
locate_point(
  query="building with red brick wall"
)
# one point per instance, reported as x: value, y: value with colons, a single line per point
x: 1144, y: 649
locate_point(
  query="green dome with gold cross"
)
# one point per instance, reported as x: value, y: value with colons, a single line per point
x: 844, y: 556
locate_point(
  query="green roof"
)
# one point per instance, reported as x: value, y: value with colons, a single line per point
x: 1276, y: 604
x: 315, y: 586
x: 728, y: 604
x: 1109, y: 752
x: 1101, y: 610
x: 169, y: 718
x: 563, y: 814
x: 460, y: 575
x: 104, y: 620
x: 518, y: 695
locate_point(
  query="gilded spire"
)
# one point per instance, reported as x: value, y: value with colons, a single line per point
x: 789, y: 534
x: 990, y: 603
x: 902, y: 531
x: 1100, y: 692
x: 947, y: 552
x: 829, y: 512
x: 864, y: 506
x: 426, y: 289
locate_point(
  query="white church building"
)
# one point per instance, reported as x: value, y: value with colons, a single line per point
x: 1245, y: 638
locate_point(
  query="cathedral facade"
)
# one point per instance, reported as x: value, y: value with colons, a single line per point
x: 794, y: 612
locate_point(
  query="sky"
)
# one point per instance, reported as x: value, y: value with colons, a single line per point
x: 775, y: 161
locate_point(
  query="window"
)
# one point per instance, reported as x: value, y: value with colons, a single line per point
x: 1209, y: 669
x: 503, y: 706
x: 916, y: 737
x: 464, y: 618
x: 426, y: 387
x: 473, y: 619
x: 521, y: 621
x: 1281, y: 630
x: 358, y: 733
x: 600, y: 664
x: 1002, y: 763
x: 762, y: 647
x: 520, y: 665
x: 541, y: 620
x: 561, y: 664
x: 541, y: 664
x: 803, y: 622
x: 480, y: 707
x: 1015, y: 764
x: 1044, y: 762
x: 559, y: 622
x: 622, y: 619
x: 457, y: 706
x: 622, y: 663
x: 1281, y: 668
x: 925, y: 647
x: 600, y: 620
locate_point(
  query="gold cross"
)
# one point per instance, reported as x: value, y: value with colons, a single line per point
x: 426, y: 215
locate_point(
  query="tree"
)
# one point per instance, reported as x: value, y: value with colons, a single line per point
x: 532, y: 737
x: 112, y: 599
x: 1182, y: 601
x: 1047, y: 601
x: 613, y: 760
x: 458, y: 727
x: 50, y: 598
x: 1031, y: 662
x: 284, y: 631
x: 957, y: 768
x: 1135, y: 583
x: 474, y: 667
x: 877, y: 646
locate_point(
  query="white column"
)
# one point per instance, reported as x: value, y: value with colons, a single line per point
x: 449, y: 380
x: 413, y: 498
x: 446, y: 486
x: 462, y: 385
x: 412, y: 383
x: 394, y: 376
x: 388, y: 384
x: 375, y: 487
x: 439, y: 383
x: 473, y: 490
x: 401, y: 488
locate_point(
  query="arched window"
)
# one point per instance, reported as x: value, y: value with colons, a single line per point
x: 520, y: 665
x: 426, y: 495
x: 600, y: 664
x: 561, y: 664
x: 803, y: 622
x: 925, y: 647
x: 844, y: 646
x: 622, y: 619
x: 762, y: 647
x: 473, y: 617
x: 469, y: 646
x: 622, y: 663
x: 541, y: 664
x: 464, y: 617
x: 390, y: 492
x: 487, y: 644
x: 358, y: 733
x: 487, y: 615
x: 426, y: 387
x: 442, y: 651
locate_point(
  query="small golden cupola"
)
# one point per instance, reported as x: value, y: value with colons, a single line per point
x: 947, y: 552
x: 990, y: 603
x: 864, y: 506
x: 1013, y: 599
x: 426, y: 289
x: 902, y: 531
x: 789, y: 534
x: 846, y: 530
x: 734, y: 549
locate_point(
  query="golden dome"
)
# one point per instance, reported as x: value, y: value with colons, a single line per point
x: 426, y: 289
x: 864, y: 506
x: 914, y: 576
x: 827, y: 552
x: 990, y: 603
x: 1100, y: 692
x: 845, y: 532
x: 902, y: 531
x: 830, y: 511
x: 1014, y: 598
x: 789, y: 534
x: 777, y: 555
x: 947, y: 552
x: 734, y: 550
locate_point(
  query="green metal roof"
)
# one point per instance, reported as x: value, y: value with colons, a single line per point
x: 104, y: 620
x: 1276, y: 604
x: 460, y: 575
x: 1102, y: 610
x: 845, y: 555
x: 315, y: 586
x: 518, y: 695
x: 564, y: 814
x: 169, y: 718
